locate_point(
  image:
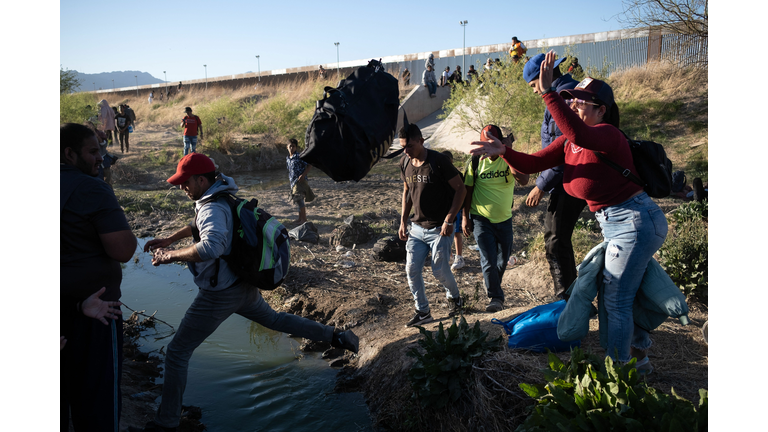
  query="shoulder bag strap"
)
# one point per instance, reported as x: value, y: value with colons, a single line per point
x: 623, y: 171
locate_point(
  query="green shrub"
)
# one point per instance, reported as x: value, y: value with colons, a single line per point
x: 439, y: 375
x: 685, y: 255
x: 502, y: 98
x: 691, y: 211
x: 587, y: 225
x: 73, y: 108
x: 587, y: 394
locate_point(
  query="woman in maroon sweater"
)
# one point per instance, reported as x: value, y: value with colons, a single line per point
x: 633, y: 225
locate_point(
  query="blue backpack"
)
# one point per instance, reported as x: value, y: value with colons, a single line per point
x: 536, y: 329
x: 261, y: 250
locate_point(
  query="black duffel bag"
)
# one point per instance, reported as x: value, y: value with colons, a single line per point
x: 354, y: 124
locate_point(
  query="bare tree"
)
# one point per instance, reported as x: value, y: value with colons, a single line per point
x: 683, y: 23
x: 685, y: 17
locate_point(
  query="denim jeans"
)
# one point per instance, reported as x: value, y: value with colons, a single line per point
x: 189, y: 141
x: 207, y: 312
x: 432, y: 86
x: 494, y: 241
x: 420, y: 242
x: 634, y: 230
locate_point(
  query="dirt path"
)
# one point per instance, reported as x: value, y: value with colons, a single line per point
x: 372, y: 297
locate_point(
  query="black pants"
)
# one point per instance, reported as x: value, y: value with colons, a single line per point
x: 91, y: 364
x: 562, y: 213
x: 124, y: 140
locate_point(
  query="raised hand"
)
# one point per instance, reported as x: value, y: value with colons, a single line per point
x: 492, y: 147
x: 545, y: 75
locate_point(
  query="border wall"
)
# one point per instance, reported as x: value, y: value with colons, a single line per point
x: 618, y: 49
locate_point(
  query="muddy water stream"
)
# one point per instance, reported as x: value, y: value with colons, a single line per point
x: 244, y: 377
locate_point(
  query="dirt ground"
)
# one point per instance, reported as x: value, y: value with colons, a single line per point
x: 350, y: 289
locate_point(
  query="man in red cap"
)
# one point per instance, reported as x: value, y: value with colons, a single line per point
x: 222, y: 293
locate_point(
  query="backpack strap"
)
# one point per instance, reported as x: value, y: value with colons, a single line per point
x: 214, y: 280
x: 621, y: 170
x: 476, y: 163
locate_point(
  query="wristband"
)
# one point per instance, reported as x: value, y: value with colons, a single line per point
x: 447, y: 222
x: 549, y: 90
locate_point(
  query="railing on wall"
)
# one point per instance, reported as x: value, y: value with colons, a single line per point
x: 613, y: 50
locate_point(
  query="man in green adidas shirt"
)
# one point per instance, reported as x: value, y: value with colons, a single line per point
x: 488, y: 206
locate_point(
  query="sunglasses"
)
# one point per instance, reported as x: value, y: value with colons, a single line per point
x: 579, y: 103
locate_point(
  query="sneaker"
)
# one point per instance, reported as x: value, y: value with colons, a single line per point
x: 473, y: 247
x: 458, y: 262
x: 644, y: 366
x: 419, y: 319
x: 455, y: 306
x: 494, y: 306
x: 345, y: 339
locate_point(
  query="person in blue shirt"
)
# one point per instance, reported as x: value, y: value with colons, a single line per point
x: 563, y: 210
x: 297, y: 175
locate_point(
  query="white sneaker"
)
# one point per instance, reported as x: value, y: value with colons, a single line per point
x: 458, y: 262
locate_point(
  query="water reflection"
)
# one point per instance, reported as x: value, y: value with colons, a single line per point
x: 244, y: 377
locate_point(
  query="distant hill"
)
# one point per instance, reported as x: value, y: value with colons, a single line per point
x: 103, y: 80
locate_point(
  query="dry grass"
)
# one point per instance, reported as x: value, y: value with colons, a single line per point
x: 660, y: 80
x: 169, y: 112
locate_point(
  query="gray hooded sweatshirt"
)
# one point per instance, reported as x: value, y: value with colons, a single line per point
x: 214, y: 220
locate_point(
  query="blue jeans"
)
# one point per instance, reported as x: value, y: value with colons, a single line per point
x: 457, y: 224
x: 207, y: 312
x: 432, y: 87
x: 634, y: 230
x: 189, y: 141
x: 420, y: 242
x: 494, y: 241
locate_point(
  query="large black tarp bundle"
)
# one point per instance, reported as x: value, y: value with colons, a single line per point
x: 354, y: 124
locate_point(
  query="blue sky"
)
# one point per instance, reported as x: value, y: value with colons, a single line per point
x: 180, y: 37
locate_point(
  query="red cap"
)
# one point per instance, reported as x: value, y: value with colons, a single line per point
x: 189, y: 165
x: 492, y: 130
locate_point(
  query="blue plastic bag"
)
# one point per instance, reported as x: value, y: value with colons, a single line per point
x: 536, y: 329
